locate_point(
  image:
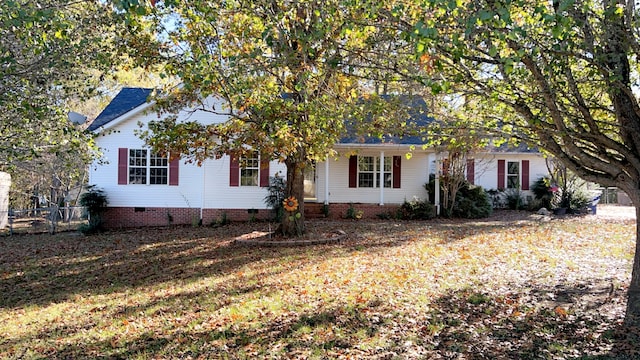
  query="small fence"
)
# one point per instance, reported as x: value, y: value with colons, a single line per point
x: 609, y: 195
x: 45, y: 220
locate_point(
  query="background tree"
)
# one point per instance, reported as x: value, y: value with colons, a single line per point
x: 290, y: 72
x: 457, y: 136
x: 561, y: 73
x: 56, y: 56
x: 46, y: 50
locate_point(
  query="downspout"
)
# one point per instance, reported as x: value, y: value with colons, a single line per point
x: 204, y: 186
x: 381, y: 177
x: 326, y: 181
x: 436, y: 194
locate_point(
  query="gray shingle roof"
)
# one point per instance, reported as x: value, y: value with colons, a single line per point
x: 418, y: 119
x: 126, y: 100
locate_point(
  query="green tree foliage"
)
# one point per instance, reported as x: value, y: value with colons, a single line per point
x: 289, y: 72
x: 560, y: 73
x: 46, y: 49
x: 457, y: 136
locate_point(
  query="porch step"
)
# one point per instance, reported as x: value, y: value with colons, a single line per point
x: 313, y: 210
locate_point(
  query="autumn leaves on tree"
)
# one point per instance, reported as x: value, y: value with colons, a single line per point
x: 292, y: 74
x: 555, y: 74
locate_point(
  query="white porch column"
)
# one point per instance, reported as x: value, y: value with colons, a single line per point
x: 436, y: 199
x: 381, y: 174
x: 326, y: 181
x: 204, y: 188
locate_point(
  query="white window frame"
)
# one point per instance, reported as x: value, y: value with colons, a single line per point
x: 147, y: 168
x: 511, y: 175
x: 250, y: 170
x: 366, y: 167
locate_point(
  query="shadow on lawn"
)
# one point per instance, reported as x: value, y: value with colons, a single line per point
x: 461, y: 324
x: 566, y: 321
x: 38, y: 270
x: 45, y: 269
x: 569, y: 320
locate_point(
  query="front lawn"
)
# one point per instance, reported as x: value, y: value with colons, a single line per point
x: 515, y: 286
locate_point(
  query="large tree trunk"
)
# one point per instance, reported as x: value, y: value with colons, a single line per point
x: 292, y: 223
x: 632, y: 317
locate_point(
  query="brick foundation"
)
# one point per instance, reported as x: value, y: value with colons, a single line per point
x: 128, y: 217
x: 339, y: 210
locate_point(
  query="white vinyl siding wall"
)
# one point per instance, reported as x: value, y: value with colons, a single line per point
x: 412, y: 179
x: 486, y: 167
x: 190, y: 192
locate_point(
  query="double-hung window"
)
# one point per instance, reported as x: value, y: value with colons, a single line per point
x: 146, y: 167
x: 369, y: 171
x: 250, y: 170
x: 513, y: 174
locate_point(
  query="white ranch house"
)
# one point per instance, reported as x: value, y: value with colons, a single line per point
x: 145, y: 190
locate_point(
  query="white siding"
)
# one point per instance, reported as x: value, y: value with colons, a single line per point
x: 219, y: 195
x: 413, y: 177
x: 120, y: 133
x: 486, y: 167
x: 105, y: 175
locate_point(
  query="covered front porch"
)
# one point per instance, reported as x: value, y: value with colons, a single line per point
x: 376, y: 176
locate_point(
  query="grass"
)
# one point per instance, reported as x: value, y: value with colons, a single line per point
x: 511, y: 287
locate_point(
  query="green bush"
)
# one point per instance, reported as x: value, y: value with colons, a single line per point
x: 472, y: 202
x: 580, y: 200
x: 416, y: 210
x: 326, y: 210
x: 541, y: 190
x: 515, y: 200
x: 221, y: 221
x: 496, y: 197
x: 95, y: 201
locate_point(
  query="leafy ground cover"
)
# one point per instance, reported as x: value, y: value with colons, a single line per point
x: 515, y: 286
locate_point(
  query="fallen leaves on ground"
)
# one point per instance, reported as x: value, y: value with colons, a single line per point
x: 513, y: 286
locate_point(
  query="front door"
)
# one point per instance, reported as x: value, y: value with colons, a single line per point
x: 310, y: 182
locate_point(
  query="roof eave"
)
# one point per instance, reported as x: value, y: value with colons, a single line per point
x: 131, y: 113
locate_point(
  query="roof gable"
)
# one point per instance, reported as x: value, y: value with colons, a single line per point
x: 126, y: 100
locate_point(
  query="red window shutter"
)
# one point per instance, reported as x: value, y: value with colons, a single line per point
x: 353, y: 171
x: 123, y: 166
x: 234, y: 171
x: 397, y: 168
x: 174, y: 171
x: 471, y: 171
x: 525, y: 175
x: 264, y: 173
x: 501, y: 174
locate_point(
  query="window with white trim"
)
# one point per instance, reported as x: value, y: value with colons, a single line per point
x: 250, y: 170
x: 369, y: 171
x: 158, y: 169
x: 147, y: 168
x: 513, y: 174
